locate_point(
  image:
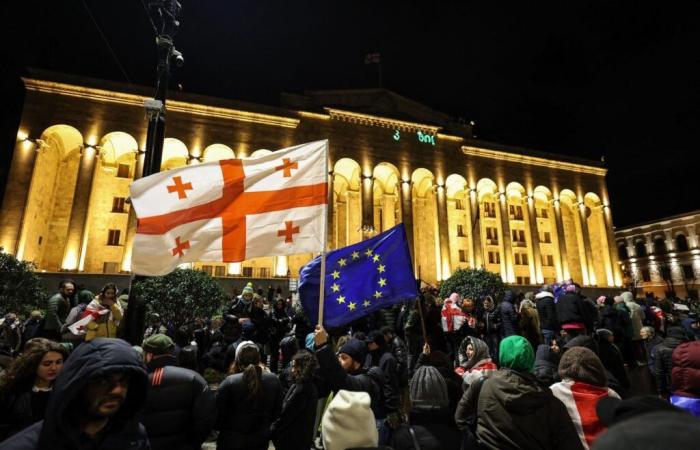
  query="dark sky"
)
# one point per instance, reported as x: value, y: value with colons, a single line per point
x: 585, y: 78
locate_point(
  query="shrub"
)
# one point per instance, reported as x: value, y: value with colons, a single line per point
x: 21, y: 290
x: 474, y: 284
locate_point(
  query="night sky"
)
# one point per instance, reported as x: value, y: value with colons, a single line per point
x: 619, y: 79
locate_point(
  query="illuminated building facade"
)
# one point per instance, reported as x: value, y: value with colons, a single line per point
x: 662, y: 256
x: 529, y: 216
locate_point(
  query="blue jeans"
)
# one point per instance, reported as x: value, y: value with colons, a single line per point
x: 384, y: 432
x: 548, y: 335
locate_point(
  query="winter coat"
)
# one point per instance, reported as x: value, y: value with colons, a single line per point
x: 637, y: 318
x: 510, y: 323
x: 685, y: 377
x: 614, y: 364
x: 614, y: 320
x: 546, y: 365
x: 288, y: 348
x: 572, y: 308
x: 294, y: 429
x: 244, y: 423
x: 19, y: 411
x: 516, y: 413
x: 372, y: 381
x: 433, y: 431
x: 479, y: 365
x: 180, y: 409
x: 530, y: 324
x: 58, y: 431
x: 650, y: 347
x: 491, y: 318
x: 663, y: 363
x: 386, y: 362
x: 56, y: 312
x: 547, y: 311
x: 106, y: 326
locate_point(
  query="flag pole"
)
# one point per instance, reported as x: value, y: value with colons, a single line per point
x: 322, y: 284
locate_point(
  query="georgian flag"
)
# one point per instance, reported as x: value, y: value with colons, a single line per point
x: 232, y: 210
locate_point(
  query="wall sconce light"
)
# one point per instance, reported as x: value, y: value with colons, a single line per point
x: 22, y: 136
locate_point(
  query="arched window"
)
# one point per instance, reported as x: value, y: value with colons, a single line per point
x: 622, y: 252
x: 640, y: 248
x: 681, y: 243
x: 659, y: 246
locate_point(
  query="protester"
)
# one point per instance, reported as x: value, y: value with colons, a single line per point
x: 575, y: 316
x: 663, y: 359
x: 510, y: 323
x: 491, y: 320
x: 397, y: 347
x: 546, y: 367
x: 380, y: 356
x: 93, y: 404
x: 442, y: 363
x: 547, y: 313
x: 83, y: 299
x: 11, y: 333
x: 474, y: 360
x: 349, y: 422
x: 513, y: 411
x: 180, y: 409
x: 294, y: 429
x: 685, y: 377
x: 59, y: 305
x: 618, y: 380
x: 637, y: 319
x: 107, y: 313
x: 348, y: 372
x: 431, y: 424
x: 27, y: 383
x: 530, y: 321
x: 32, y: 328
x: 288, y: 348
x: 583, y: 384
x: 280, y: 326
x: 651, y: 340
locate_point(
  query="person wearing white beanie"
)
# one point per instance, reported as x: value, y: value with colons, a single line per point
x: 349, y: 422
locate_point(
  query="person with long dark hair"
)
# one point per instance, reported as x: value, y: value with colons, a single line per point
x: 26, y: 385
x: 247, y: 401
x: 294, y: 430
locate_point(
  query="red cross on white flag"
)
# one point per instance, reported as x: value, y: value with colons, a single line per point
x: 232, y: 210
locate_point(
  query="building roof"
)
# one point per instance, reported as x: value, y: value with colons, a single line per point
x: 381, y: 103
x: 661, y: 221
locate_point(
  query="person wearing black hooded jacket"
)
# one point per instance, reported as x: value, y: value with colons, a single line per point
x: 663, y: 359
x: 573, y: 309
x: 288, y: 348
x: 94, y: 403
x: 180, y: 409
x: 510, y: 323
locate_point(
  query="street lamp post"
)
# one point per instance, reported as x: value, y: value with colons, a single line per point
x: 166, y: 16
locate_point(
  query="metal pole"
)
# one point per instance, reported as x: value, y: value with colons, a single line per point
x: 167, y: 16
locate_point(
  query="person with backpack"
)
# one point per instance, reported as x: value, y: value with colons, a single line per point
x: 83, y: 298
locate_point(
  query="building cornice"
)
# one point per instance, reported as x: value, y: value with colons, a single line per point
x: 382, y: 122
x: 532, y: 160
x: 56, y: 88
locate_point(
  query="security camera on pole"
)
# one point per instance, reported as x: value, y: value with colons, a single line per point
x: 165, y: 16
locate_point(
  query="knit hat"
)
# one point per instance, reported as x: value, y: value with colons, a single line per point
x: 581, y: 364
x: 627, y: 297
x: 85, y: 296
x: 428, y: 389
x: 604, y: 333
x: 158, y: 344
x: 349, y: 422
x: 248, y: 289
x: 356, y: 349
x: 309, y: 342
x: 244, y: 344
x: 516, y: 353
x: 582, y: 341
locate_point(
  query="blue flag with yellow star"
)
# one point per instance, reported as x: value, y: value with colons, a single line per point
x: 360, y: 279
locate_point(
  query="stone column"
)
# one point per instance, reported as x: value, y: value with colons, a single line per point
x: 444, y: 236
x: 79, y: 210
x: 693, y: 237
x: 536, y: 265
x: 476, y: 249
x: 670, y: 242
x: 649, y: 243
x: 507, y: 271
x: 407, y: 216
x: 561, y: 239
x: 388, y: 207
x: 131, y: 223
x: 586, y: 266
x: 367, y: 206
x: 631, y: 249
x: 14, y: 203
x: 614, y: 269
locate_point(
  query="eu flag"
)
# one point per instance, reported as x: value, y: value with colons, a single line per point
x: 360, y: 279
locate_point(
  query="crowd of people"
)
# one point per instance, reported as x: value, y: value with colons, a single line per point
x: 548, y: 369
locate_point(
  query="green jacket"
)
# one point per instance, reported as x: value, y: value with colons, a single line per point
x: 56, y: 313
